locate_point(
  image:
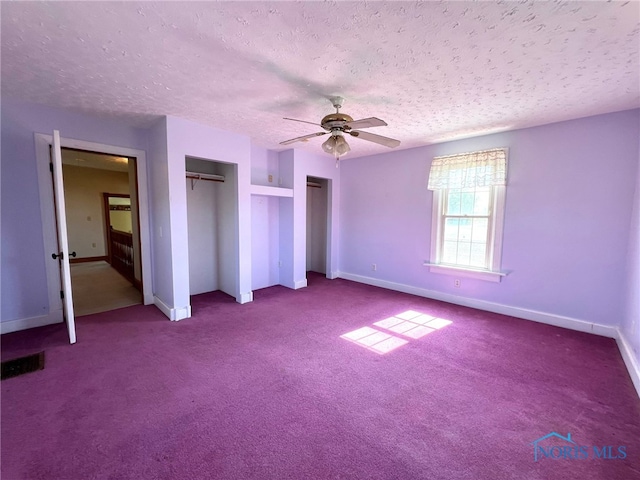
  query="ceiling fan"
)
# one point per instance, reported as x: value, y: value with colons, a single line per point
x: 337, y: 125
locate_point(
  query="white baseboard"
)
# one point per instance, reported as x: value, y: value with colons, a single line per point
x: 33, y: 322
x: 244, y: 298
x: 296, y: 284
x: 630, y: 360
x: 526, y: 314
x: 181, y: 313
x: 174, y: 314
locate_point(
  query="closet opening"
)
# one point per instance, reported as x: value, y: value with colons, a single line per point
x: 317, y: 224
x: 212, y: 222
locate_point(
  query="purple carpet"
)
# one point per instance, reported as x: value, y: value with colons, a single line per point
x: 282, y: 388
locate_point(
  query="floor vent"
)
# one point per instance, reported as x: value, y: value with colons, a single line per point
x: 22, y: 365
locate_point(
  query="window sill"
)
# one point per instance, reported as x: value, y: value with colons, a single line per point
x: 487, y: 275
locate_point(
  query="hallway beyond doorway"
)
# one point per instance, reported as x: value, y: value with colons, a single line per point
x: 97, y: 287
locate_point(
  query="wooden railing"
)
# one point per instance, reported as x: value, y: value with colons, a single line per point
x: 121, y: 253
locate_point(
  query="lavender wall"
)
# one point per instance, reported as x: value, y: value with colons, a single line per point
x: 630, y: 328
x: 24, y: 288
x: 264, y: 163
x: 569, y: 200
x: 265, y: 241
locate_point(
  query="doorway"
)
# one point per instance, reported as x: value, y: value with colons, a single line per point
x: 102, y: 226
x: 54, y: 311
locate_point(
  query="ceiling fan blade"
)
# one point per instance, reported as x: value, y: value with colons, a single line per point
x: 386, y: 141
x: 304, y: 138
x: 366, y: 123
x: 303, y: 121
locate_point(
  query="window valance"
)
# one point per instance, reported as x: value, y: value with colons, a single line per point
x: 468, y: 170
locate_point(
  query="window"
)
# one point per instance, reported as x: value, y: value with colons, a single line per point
x: 468, y: 212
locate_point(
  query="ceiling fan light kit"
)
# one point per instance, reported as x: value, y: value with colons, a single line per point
x: 336, y: 145
x: 337, y: 124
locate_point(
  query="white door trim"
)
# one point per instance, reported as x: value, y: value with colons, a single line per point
x: 42, y: 143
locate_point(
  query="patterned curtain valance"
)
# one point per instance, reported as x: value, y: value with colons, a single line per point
x: 469, y: 170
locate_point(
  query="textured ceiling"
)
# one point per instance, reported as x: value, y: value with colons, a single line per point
x: 433, y: 70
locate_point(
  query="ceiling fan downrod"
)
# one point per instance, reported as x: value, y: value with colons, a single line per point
x: 337, y: 103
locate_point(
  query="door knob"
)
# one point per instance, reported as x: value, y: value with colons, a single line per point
x: 61, y: 255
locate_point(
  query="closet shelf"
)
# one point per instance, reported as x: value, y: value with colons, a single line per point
x: 271, y: 191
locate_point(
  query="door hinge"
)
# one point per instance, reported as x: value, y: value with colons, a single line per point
x: 62, y: 294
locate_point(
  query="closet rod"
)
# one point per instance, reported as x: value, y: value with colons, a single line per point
x: 314, y: 185
x: 203, y: 176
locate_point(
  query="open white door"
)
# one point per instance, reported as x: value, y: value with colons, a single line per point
x: 63, y: 255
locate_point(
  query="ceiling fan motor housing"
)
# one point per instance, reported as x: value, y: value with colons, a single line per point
x: 336, y: 120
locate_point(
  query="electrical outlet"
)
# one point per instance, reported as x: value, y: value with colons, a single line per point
x: 456, y: 283
x: 270, y: 178
x: 374, y: 267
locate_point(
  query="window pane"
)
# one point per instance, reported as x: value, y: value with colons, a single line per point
x: 478, y: 255
x: 482, y: 201
x: 480, y: 227
x: 453, y: 202
x: 451, y: 229
x: 464, y: 230
x: 449, y: 251
x: 466, y: 203
x: 464, y: 253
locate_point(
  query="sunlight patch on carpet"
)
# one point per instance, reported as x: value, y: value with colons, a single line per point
x: 374, y: 340
x: 410, y: 324
x: 408, y: 315
x: 439, y: 323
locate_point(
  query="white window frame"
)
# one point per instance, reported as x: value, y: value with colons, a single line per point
x: 494, y: 245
